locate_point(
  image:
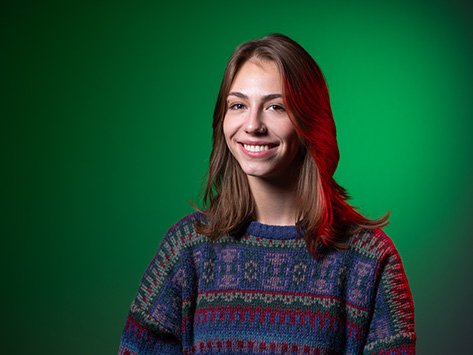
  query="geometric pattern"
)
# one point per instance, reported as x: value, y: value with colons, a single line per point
x: 264, y: 293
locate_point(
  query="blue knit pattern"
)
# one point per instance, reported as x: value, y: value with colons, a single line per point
x: 264, y: 293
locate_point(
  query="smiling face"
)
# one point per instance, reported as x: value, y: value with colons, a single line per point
x: 256, y: 126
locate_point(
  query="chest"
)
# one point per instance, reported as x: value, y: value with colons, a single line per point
x: 280, y: 298
x: 286, y: 273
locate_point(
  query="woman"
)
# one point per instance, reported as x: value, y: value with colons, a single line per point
x: 279, y: 263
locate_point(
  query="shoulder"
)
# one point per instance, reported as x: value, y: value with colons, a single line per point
x: 186, y: 225
x: 165, y: 274
x: 182, y: 236
x: 371, y: 243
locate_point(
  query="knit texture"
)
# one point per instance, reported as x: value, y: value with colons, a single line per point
x: 265, y: 294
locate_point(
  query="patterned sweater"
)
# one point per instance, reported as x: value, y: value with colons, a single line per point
x: 264, y: 293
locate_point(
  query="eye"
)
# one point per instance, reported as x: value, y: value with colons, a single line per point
x: 275, y: 107
x: 236, y: 106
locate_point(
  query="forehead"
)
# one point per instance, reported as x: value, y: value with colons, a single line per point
x: 257, y: 74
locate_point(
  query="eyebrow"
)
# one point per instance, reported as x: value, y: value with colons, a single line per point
x: 265, y: 98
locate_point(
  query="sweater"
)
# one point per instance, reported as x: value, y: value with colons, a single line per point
x: 264, y: 293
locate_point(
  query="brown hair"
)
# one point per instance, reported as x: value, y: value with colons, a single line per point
x: 323, y: 214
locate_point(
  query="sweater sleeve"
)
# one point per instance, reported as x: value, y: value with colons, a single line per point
x: 154, y: 324
x: 391, y: 329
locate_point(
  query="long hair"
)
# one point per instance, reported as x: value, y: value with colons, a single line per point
x: 323, y: 214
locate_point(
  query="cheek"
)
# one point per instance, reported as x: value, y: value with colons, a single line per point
x: 294, y: 145
x: 228, y: 131
x: 291, y: 137
x: 295, y: 141
x: 227, y: 136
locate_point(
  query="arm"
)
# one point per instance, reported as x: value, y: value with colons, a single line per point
x: 392, y: 325
x: 154, y: 323
x: 141, y: 338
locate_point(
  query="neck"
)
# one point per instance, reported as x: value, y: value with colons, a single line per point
x: 276, y: 202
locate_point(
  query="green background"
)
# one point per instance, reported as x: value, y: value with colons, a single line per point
x: 106, y: 129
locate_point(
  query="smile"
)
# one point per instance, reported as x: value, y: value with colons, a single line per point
x: 256, y: 148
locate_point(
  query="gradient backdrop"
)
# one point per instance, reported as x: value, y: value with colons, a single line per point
x: 106, y: 131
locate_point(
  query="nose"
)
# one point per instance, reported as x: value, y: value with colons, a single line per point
x: 254, y: 122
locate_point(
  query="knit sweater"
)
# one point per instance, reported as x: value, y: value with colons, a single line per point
x: 264, y: 293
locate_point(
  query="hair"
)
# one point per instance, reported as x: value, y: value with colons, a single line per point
x: 323, y: 214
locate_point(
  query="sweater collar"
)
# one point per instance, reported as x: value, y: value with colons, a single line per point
x: 267, y: 231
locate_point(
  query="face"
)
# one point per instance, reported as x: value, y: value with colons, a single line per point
x: 256, y: 126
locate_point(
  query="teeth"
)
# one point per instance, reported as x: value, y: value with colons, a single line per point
x: 256, y: 148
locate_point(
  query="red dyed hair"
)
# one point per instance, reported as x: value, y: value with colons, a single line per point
x: 323, y: 212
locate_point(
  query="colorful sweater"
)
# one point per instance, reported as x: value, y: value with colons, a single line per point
x: 264, y: 293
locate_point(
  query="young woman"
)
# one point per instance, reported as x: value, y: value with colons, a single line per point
x: 279, y: 262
